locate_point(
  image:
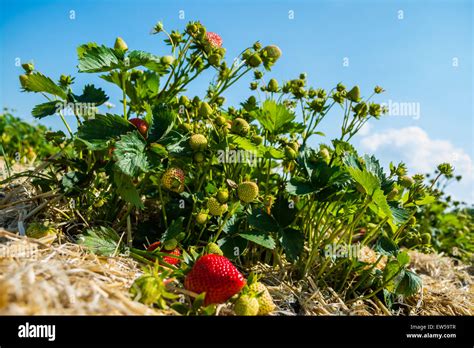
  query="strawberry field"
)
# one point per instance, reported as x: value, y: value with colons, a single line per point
x: 219, y: 209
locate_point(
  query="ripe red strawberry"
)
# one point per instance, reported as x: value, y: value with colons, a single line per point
x: 168, y: 259
x: 141, y: 125
x: 216, y: 276
x: 214, y: 39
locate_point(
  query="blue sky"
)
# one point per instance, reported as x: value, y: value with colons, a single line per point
x: 419, y: 51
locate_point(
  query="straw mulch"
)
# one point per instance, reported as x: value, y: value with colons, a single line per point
x: 41, y: 277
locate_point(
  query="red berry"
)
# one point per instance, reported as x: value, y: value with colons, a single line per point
x: 214, y: 39
x: 168, y: 259
x: 140, y: 124
x: 216, y: 276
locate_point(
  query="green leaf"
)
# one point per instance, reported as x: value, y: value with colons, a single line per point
x: 130, y: 154
x: 284, y: 211
x: 274, y: 117
x: 386, y: 246
x: 173, y: 230
x: 271, y: 152
x: 409, y: 284
x: 97, y: 59
x: 380, y: 200
x: 96, y: 132
x: 259, y: 237
x: 148, y: 60
x: 162, y: 123
x: 46, y: 109
x: 391, y: 274
x: 243, y: 143
x: 400, y: 215
x: 92, y: 95
x: 72, y: 182
x: 126, y: 189
x: 37, y: 82
x: 232, y: 246
x: 262, y: 221
x: 426, y: 200
x: 403, y: 258
x: 299, y: 186
x: 367, y: 180
x: 293, y: 242
x: 101, y: 241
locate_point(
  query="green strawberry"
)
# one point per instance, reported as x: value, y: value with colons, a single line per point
x: 199, y: 157
x: 247, y: 191
x: 198, y: 142
x: 28, y: 67
x: 223, y: 196
x: 220, y: 120
x: 216, y: 208
x: 201, y: 218
x: 213, y: 248
x: 272, y: 51
x: 167, y: 60
x: 272, y: 86
x: 246, y: 306
x: 354, y: 94
x: 240, y: 126
x: 23, y: 80
x: 406, y: 181
x: 264, y: 299
x: 205, y: 110
x: 120, y: 45
x: 290, y: 153
x: 254, y: 60
x: 257, y: 139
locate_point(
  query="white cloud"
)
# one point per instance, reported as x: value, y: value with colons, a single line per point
x: 422, y: 154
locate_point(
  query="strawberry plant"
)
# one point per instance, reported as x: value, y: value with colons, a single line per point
x: 212, y: 184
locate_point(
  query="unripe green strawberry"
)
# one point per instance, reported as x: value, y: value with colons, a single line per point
x: 406, y: 181
x: 290, y: 153
x: 223, y: 196
x: 220, y: 120
x: 240, y: 126
x: 257, y: 139
x: 173, y: 180
x: 254, y: 60
x: 24, y: 81
x: 201, y: 218
x: 146, y: 288
x: 167, y: 60
x: 354, y: 94
x: 216, y: 276
x: 392, y: 194
x: 378, y: 89
x: 426, y: 238
x: 66, y: 80
x: 213, y: 248
x: 40, y: 230
x: 215, y: 208
x: 247, y: 191
x: 180, y: 236
x: 265, y: 301
x: 28, y: 67
x: 246, y: 306
x: 199, y: 157
x: 183, y: 100
x: 120, y: 45
x: 198, y: 142
x: 170, y: 244
x: 214, y: 59
x: 324, y: 154
x: 220, y: 101
x: 272, y: 86
x: 272, y: 52
x: 205, y: 110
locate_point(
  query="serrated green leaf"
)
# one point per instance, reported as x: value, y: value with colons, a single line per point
x: 274, y: 117
x: 92, y: 95
x: 232, y: 246
x: 299, y: 186
x: 97, y: 59
x: 72, y: 182
x: 175, y: 228
x: 148, y: 60
x: 101, y: 241
x: 386, y: 246
x: 162, y: 123
x: 95, y: 133
x: 46, y: 109
x: 130, y: 154
x: 262, y: 221
x: 126, y: 189
x: 37, y: 82
x: 284, y: 211
x: 259, y: 237
x: 403, y: 258
x: 367, y: 180
x: 409, y: 284
x: 293, y: 242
